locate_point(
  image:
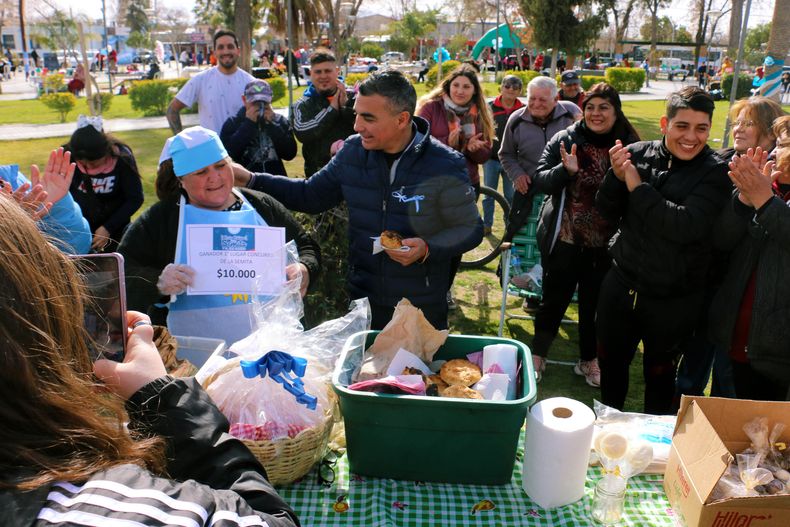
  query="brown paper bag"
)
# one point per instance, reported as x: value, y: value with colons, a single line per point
x: 409, y: 330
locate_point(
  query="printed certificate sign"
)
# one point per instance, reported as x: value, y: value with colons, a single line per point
x: 231, y: 259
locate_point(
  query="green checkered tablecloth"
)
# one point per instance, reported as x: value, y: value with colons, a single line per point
x: 356, y: 501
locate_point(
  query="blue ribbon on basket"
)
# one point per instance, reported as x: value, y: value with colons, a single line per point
x: 284, y: 369
x: 400, y: 196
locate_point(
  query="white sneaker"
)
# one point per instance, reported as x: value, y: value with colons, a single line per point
x: 451, y: 305
x: 590, y: 370
x: 539, y: 365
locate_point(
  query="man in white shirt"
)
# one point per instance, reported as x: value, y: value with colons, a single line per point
x: 217, y: 90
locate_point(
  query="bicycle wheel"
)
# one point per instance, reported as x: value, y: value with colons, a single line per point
x: 488, y: 249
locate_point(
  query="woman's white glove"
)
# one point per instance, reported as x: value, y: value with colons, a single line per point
x: 175, y: 278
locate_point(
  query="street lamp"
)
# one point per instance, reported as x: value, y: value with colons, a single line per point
x: 710, y: 14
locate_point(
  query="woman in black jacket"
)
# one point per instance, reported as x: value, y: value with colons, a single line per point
x: 572, y: 234
x: 750, y: 312
x: 68, y: 457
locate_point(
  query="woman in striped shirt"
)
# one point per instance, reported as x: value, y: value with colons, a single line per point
x: 67, y: 458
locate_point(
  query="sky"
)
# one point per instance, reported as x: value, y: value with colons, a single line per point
x: 761, y: 11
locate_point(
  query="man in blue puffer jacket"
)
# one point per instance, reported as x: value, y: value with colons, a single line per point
x: 394, y: 176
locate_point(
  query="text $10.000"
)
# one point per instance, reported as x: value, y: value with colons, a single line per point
x: 235, y: 273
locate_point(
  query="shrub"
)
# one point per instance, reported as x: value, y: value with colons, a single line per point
x: 53, y: 82
x: 105, y: 99
x: 447, y: 67
x: 744, y: 85
x: 151, y: 97
x: 353, y: 78
x: 279, y: 87
x: 625, y: 80
x: 328, y: 298
x: 369, y: 49
x: 265, y: 73
x: 62, y: 103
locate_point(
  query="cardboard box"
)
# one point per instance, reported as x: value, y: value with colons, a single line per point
x: 708, y: 434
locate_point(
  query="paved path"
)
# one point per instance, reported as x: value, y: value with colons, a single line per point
x: 17, y: 89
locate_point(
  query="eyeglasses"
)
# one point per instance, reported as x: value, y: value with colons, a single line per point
x: 511, y: 85
x: 326, y: 471
x: 746, y: 123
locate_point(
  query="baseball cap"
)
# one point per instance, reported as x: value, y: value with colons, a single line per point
x: 570, y: 77
x: 512, y: 81
x: 258, y: 91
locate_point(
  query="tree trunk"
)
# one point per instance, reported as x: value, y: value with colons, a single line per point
x: 702, y: 28
x: 653, y: 33
x: 736, y: 19
x: 778, y: 44
x: 554, y: 54
x: 243, y: 27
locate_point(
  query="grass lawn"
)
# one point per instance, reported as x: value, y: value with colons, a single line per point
x: 477, y: 291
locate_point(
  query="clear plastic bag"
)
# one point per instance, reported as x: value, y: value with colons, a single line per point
x: 758, y: 470
x: 656, y: 430
x: 260, y: 408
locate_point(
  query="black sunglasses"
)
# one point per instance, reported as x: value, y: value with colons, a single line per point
x: 326, y: 470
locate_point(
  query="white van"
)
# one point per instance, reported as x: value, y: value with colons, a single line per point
x: 392, y: 56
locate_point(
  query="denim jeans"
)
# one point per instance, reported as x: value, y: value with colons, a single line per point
x: 491, y: 172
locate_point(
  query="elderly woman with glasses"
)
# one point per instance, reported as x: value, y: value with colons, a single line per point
x: 751, y: 125
x: 749, y: 314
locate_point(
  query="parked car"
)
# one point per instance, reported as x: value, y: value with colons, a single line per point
x: 392, y: 56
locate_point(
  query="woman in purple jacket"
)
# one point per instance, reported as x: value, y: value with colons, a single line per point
x: 460, y: 118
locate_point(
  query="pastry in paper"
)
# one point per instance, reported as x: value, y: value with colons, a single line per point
x: 408, y: 329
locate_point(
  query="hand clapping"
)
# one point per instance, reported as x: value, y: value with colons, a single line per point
x: 569, y: 160
x: 753, y: 177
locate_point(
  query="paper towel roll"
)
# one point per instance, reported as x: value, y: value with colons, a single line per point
x: 556, y: 451
x: 506, y: 356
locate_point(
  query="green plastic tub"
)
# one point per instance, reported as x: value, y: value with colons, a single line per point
x: 422, y: 438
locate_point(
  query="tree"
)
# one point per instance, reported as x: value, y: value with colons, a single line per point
x: 755, y: 43
x: 243, y: 29
x: 304, y: 17
x: 736, y: 20
x: 57, y: 30
x: 666, y: 31
x: 704, y: 9
x: 778, y: 46
x: 406, y: 32
x: 621, y: 14
x: 653, y: 6
x: 136, y: 18
x: 341, y: 17
x: 140, y: 40
x: 175, y: 23
x: 570, y: 25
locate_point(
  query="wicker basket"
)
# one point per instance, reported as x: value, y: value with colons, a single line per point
x: 289, y: 458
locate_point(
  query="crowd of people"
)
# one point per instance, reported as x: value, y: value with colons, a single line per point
x: 666, y: 243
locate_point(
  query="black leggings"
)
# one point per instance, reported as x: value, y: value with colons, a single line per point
x: 625, y: 318
x: 567, y: 266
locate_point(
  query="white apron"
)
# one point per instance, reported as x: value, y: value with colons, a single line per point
x: 227, y: 317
